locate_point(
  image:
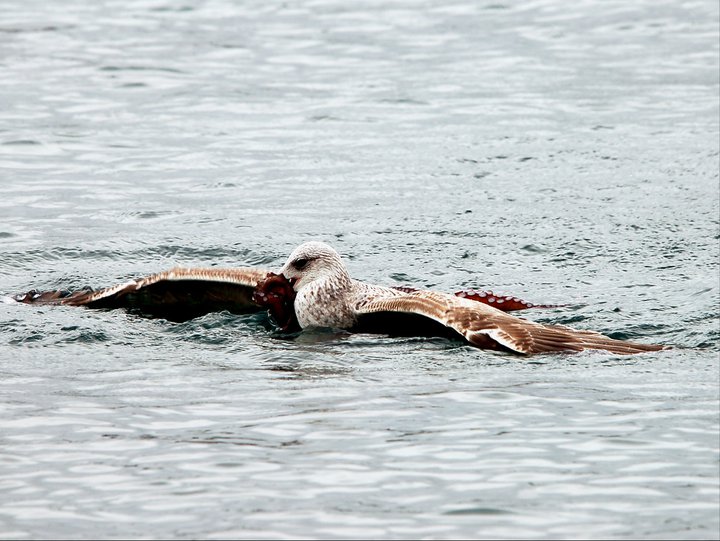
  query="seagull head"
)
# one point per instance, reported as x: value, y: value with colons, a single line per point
x: 313, y: 261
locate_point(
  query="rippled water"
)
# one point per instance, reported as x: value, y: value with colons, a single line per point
x: 561, y: 152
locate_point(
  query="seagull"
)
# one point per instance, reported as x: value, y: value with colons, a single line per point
x: 314, y: 289
x: 326, y: 296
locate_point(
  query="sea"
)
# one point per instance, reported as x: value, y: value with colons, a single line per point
x: 566, y: 153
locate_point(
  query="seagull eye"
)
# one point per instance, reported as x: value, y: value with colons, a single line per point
x: 300, y: 263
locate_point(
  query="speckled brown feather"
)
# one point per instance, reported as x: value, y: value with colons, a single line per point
x: 477, y: 322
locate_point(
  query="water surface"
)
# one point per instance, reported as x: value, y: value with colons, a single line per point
x: 563, y: 153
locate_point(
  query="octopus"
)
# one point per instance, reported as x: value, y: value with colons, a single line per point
x: 276, y: 293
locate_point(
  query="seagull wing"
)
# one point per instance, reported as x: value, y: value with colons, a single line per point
x: 484, y: 326
x: 178, y: 294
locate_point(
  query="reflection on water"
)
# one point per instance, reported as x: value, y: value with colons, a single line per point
x: 563, y: 153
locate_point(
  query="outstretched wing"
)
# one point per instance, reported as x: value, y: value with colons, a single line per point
x: 177, y: 295
x: 486, y: 327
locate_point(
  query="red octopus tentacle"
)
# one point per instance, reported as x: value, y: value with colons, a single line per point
x: 505, y: 303
x: 276, y: 293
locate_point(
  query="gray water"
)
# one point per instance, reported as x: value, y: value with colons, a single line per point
x: 563, y: 152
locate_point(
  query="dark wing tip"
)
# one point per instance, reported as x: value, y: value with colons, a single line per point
x: 58, y: 296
